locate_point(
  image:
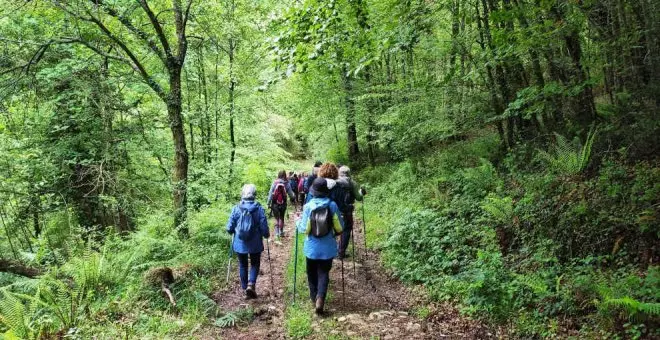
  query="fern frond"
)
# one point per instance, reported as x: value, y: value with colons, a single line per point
x: 633, y: 308
x: 569, y: 158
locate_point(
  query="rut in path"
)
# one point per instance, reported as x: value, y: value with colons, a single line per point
x: 374, y: 305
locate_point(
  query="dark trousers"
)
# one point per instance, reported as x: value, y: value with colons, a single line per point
x: 255, y: 262
x: 279, y: 211
x: 348, y: 230
x: 318, y: 277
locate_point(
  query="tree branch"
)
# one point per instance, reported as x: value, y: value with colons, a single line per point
x: 157, y: 27
x: 134, y: 61
x: 127, y: 23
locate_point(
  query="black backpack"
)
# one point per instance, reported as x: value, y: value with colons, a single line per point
x: 321, y: 221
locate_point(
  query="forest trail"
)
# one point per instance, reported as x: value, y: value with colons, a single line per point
x: 375, y: 305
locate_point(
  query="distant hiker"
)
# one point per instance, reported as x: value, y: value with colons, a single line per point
x: 321, y: 222
x: 293, y: 182
x: 347, y: 193
x: 277, y: 201
x: 311, y: 178
x: 301, y: 187
x: 248, y: 225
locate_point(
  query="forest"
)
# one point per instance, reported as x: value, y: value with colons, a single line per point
x: 510, y: 150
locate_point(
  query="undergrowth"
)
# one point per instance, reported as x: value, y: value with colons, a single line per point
x: 549, y: 243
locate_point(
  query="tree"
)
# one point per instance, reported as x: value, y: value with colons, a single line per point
x: 103, y: 21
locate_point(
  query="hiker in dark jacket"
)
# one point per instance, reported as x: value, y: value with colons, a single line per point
x: 311, y: 178
x: 253, y: 246
x: 277, y: 199
x: 350, y: 192
x: 319, y: 250
x: 293, y: 183
x: 301, y: 188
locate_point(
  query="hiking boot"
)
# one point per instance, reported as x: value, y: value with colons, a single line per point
x: 320, y: 302
x: 250, y: 292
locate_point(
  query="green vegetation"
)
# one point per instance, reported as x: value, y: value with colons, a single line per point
x: 298, y: 319
x: 509, y: 148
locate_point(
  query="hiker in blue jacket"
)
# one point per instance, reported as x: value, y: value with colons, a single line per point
x: 320, y: 249
x: 251, y: 244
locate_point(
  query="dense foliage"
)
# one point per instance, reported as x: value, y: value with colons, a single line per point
x: 509, y: 146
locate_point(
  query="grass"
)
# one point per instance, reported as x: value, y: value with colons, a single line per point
x: 298, y: 318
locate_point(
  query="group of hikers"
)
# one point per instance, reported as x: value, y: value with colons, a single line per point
x: 327, y: 197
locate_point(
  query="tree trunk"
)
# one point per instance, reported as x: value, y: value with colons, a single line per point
x: 180, y: 178
x: 232, y: 90
x: 351, y: 130
x: 16, y: 268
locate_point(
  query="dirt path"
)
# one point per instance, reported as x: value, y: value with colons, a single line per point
x: 268, y: 308
x: 375, y: 304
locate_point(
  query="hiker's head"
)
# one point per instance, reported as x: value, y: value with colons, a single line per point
x: 344, y: 171
x: 249, y: 192
x: 290, y: 173
x: 329, y: 170
x: 319, y: 188
x: 315, y: 169
x: 281, y: 174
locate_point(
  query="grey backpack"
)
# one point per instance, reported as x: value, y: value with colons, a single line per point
x: 321, y: 221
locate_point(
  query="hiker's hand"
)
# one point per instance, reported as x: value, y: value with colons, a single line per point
x: 363, y: 191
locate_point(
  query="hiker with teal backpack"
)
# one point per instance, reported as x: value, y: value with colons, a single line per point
x: 277, y: 201
x: 321, y: 222
x: 345, y: 195
x: 248, y: 226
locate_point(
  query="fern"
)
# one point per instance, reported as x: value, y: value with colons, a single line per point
x: 226, y: 321
x: 22, y: 320
x: 569, y: 158
x: 634, y: 309
x: 500, y: 208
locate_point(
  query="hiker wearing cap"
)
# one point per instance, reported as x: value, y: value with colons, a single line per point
x: 347, y: 193
x: 310, y: 179
x: 277, y: 200
x: 248, y: 226
x: 320, y: 222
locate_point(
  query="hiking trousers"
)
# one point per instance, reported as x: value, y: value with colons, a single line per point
x: 255, y: 263
x: 346, y: 234
x: 279, y: 211
x: 318, y: 277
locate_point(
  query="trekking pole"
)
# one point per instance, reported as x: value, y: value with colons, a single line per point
x: 295, y: 267
x: 354, y: 253
x: 231, y: 246
x: 270, y: 267
x: 343, y: 287
x: 364, y: 227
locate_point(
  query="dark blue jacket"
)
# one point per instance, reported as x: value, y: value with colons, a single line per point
x: 255, y: 244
